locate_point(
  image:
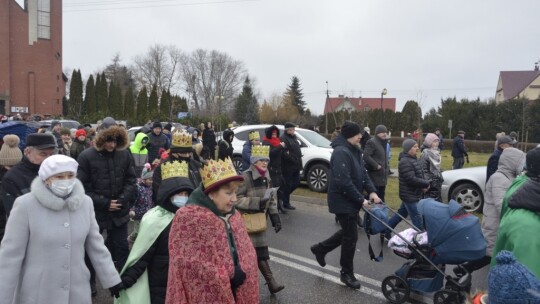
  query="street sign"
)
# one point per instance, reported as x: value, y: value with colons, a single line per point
x: 449, y: 124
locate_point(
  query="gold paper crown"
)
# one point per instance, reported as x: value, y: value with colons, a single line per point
x: 254, y: 135
x: 260, y: 151
x: 174, y: 169
x: 215, y: 171
x: 181, y: 139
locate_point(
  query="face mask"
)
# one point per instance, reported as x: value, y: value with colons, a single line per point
x: 179, y: 201
x: 62, y: 188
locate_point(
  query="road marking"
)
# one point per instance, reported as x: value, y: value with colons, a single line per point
x: 326, y: 276
x: 414, y: 296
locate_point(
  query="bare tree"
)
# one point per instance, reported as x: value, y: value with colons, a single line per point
x: 212, y: 79
x: 159, y: 66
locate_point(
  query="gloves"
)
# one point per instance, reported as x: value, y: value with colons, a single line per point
x: 262, y: 203
x: 276, y: 222
x: 115, y: 290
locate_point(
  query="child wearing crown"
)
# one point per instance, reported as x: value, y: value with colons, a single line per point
x: 254, y: 140
x: 145, y: 273
x: 212, y: 259
x: 252, y: 199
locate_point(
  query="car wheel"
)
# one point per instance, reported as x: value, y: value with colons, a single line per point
x: 237, y: 162
x: 317, y: 178
x: 469, y: 196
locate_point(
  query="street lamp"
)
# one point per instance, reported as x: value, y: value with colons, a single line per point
x: 382, y: 111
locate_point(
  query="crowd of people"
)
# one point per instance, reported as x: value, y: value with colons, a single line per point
x: 200, y: 226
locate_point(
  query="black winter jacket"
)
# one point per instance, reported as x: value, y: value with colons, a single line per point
x: 411, y: 178
x: 291, y: 158
x: 348, y: 178
x: 274, y: 166
x: 374, y: 155
x: 17, y: 181
x: 225, y: 148
x: 155, y: 143
x: 458, y: 148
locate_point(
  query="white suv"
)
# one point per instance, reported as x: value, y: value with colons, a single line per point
x: 316, y: 152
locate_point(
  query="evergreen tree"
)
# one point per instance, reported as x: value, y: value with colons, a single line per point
x: 179, y: 104
x: 247, y: 107
x: 90, y: 97
x: 102, y: 94
x: 153, y: 103
x: 165, y: 105
x: 142, y: 106
x: 294, y: 93
x: 115, y: 100
x: 75, y: 95
x: 129, y: 105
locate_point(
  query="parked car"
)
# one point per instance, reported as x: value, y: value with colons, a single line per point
x: 70, y: 124
x: 315, y: 148
x: 466, y: 186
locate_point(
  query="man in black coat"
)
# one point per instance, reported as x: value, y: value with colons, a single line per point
x: 376, y: 160
x: 348, y: 180
x: 291, y: 164
x: 156, y: 141
x: 17, y: 181
x: 458, y: 151
x: 107, y: 172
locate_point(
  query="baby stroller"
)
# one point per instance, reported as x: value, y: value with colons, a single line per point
x: 454, y: 237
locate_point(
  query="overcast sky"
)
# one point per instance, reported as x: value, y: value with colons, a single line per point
x: 424, y: 50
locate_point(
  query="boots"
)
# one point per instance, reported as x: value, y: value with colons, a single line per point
x: 273, y: 286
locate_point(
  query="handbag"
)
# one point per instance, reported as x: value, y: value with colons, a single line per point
x: 255, y: 222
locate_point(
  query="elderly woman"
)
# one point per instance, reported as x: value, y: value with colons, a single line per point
x: 252, y: 200
x: 211, y: 258
x: 431, y: 166
x: 48, y: 232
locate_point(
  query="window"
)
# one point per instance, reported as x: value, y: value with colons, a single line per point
x: 44, y: 19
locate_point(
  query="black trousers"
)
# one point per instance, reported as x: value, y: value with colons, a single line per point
x: 346, y: 237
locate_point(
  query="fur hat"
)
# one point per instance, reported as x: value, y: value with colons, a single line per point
x: 408, y: 144
x: 511, y: 282
x: 381, y: 129
x: 55, y: 164
x: 147, y: 171
x: 116, y: 133
x: 350, y: 129
x: 41, y: 141
x: 533, y: 162
x: 430, y: 138
x: 10, y: 154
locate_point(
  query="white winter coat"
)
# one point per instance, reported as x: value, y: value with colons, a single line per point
x: 42, y: 253
x: 510, y: 166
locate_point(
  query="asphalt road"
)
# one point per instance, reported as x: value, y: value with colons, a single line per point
x: 305, y: 281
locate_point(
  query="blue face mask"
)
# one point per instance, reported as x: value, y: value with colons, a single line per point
x: 179, y: 201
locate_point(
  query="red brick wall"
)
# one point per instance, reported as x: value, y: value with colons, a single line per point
x: 35, y: 71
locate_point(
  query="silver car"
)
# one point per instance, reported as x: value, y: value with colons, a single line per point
x: 467, y: 186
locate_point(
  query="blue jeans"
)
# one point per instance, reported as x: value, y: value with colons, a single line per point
x: 410, y: 209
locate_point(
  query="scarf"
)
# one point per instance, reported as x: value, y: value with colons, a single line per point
x: 434, y: 156
x: 274, y: 141
x: 261, y: 171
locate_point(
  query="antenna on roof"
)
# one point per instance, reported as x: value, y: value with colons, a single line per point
x: 536, y: 65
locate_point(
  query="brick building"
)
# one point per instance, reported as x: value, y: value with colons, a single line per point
x: 31, y: 78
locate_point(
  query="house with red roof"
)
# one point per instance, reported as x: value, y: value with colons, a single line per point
x: 344, y: 103
x: 518, y: 84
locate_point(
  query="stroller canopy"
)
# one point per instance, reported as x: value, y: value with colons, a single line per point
x: 19, y: 128
x: 454, y: 234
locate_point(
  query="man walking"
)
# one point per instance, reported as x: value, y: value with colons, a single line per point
x: 291, y: 164
x: 376, y: 160
x: 108, y: 175
x: 157, y: 140
x: 347, y: 182
x: 458, y: 151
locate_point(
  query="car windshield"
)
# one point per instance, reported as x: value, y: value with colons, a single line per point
x: 314, y: 138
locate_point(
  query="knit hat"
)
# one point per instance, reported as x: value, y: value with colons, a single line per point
x: 107, y: 122
x: 10, y: 154
x: 408, y: 144
x: 157, y: 124
x: 168, y: 127
x: 289, y: 125
x: 533, y: 162
x: 55, y: 164
x: 65, y: 131
x: 380, y: 129
x: 510, y: 282
x: 430, y: 138
x: 350, y: 129
x: 147, y: 171
x: 80, y: 132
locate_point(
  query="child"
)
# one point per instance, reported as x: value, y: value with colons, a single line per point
x: 143, y: 202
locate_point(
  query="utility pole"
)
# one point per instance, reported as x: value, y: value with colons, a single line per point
x: 327, y: 98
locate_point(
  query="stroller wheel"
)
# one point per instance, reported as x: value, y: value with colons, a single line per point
x: 446, y: 297
x: 395, y: 289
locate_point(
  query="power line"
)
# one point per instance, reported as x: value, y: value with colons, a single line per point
x: 120, y: 5
x: 404, y: 91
